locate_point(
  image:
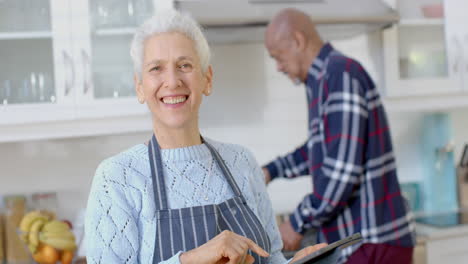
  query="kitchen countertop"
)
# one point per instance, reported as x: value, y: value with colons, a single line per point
x: 425, y: 232
x: 442, y: 225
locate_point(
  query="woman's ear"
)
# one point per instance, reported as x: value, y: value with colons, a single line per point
x: 139, y: 88
x: 209, y: 81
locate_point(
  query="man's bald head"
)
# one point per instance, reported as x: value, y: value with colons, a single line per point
x: 288, y: 22
x: 292, y: 40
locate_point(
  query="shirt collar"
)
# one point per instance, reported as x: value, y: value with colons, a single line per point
x: 318, y: 65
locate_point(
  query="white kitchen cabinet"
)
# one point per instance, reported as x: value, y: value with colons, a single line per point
x: 68, y: 60
x: 458, y: 33
x: 36, y: 72
x: 451, y: 250
x: 427, y: 56
x: 442, y: 238
x: 419, y: 60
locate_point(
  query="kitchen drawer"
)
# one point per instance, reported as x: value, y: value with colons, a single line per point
x: 451, y: 250
x: 419, y: 254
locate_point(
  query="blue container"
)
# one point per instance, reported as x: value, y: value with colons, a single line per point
x: 412, y: 193
x: 439, y: 174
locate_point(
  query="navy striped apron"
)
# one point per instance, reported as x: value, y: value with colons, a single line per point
x: 188, y: 228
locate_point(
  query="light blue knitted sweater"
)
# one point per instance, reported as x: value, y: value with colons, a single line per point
x: 120, y: 221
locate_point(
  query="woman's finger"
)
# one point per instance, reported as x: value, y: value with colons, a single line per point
x: 314, y: 248
x: 234, y: 254
x: 256, y: 248
x: 243, y: 258
x: 306, y: 251
x: 249, y: 259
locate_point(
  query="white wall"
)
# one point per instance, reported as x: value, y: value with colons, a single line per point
x: 252, y: 105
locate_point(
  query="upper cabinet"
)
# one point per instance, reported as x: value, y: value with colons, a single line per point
x: 103, y: 30
x: 457, y: 29
x: 36, y: 71
x: 66, y: 60
x: 425, y: 54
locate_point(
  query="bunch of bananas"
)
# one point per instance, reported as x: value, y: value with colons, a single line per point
x: 37, y: 228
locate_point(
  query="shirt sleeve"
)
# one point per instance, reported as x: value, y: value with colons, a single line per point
x: 266, y: 214
x: 345, y: 124
x: 291, y: 165
x: 111, y: 229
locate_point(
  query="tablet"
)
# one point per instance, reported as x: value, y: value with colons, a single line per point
x: 323, y: 252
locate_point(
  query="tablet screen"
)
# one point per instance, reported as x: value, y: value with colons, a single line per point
x: 345, y: 242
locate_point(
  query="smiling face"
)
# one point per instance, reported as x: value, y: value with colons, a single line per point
x: 172, y: 81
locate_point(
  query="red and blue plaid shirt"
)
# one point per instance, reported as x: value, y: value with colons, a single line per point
x: 349, y: 155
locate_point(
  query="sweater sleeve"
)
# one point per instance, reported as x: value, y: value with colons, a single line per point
x: 112, y: 233
x: 111, y: 225
x: 266, y: 214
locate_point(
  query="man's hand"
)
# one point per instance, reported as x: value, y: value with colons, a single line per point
x: 306, y: 251
x: 291, y: 239
x: 267, y: 175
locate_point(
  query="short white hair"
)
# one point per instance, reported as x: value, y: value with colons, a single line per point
x: 167, y: 21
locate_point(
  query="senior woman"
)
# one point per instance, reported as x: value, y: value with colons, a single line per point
x: 180, y: 198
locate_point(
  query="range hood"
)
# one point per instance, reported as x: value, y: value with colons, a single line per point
x: 230, y: 21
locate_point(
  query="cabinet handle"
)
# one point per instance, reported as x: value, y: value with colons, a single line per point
x: 86, y: 75
x: 68, y: 60
x: 457, y: 55
x: 466, y: 50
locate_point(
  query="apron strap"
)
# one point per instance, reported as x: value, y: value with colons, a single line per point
x: 157, y: 176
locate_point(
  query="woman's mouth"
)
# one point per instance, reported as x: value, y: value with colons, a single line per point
x: 174, y: 100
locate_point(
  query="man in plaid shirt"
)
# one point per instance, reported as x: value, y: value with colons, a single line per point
x: 348, y: 151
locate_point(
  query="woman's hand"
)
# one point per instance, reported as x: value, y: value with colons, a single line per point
x: 306, y: 251
x: 227, y: 247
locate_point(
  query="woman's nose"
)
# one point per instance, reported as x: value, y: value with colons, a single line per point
x: 173, y: 79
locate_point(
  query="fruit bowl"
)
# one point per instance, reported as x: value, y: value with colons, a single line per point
x: 48, y: 240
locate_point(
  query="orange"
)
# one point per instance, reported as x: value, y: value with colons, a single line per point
x: 67, y: 257
x: 46, y: 254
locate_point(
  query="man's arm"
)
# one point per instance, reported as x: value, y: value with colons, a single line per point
x: 345, y: 123
x: 289, y: 166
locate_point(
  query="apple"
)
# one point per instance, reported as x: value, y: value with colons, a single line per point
x: 68, y: 223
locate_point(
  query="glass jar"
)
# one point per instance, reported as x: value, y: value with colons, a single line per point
x: 16, y: 252
x: 45, y: 202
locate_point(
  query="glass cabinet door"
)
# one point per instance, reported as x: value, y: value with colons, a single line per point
x: 113, y: 23
x: 421, y: 59
x: 102, y: 33
x: 422, y: 55
x: 422, y: 52
x: 26, y: 52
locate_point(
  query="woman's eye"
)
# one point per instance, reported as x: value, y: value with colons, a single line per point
x: 186, y: 66
x: 156, y: 68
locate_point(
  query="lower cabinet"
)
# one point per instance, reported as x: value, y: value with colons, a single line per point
x: 446, y: 250
x: 452, y: 250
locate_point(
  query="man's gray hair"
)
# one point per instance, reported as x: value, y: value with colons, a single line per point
x: 167, y: 21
